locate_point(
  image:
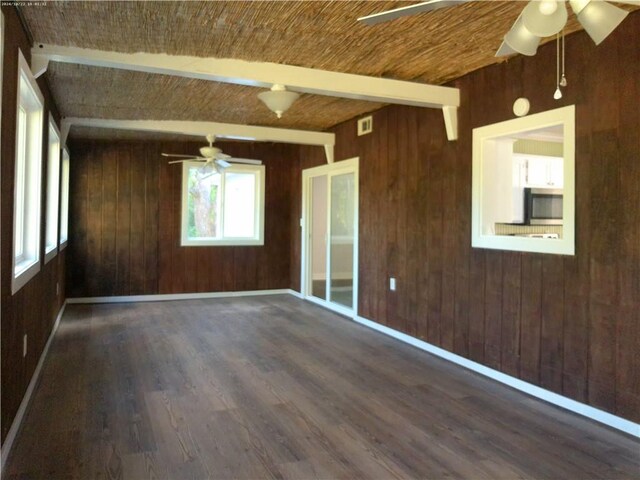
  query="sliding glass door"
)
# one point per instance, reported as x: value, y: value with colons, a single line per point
x: 330, y: 232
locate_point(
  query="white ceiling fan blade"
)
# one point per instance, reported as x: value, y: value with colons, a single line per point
x: 428, y: 6
x: 248, y: 161
x: 176, y: 155
x: 222, y: 163
x: 189, y: 160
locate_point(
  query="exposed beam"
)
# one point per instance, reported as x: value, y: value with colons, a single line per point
x: 259, y: 74
x: 39, y: 65
x: 220, y: 130
x: 451, y: 121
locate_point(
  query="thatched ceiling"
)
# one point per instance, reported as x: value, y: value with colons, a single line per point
x: 431, y: 47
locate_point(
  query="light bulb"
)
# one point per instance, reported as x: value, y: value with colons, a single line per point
x: 548, y: 7
x: 558, y: 94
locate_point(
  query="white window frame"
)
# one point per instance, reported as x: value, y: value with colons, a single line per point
x: 564, y: 116
x: 259, y: 171
x: 53, y: 192
x: 28, y: 192
x: 64, y: 199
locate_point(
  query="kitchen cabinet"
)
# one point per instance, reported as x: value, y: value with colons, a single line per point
x: 540, y: 171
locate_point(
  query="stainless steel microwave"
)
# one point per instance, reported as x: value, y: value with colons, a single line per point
x: 543, y: 206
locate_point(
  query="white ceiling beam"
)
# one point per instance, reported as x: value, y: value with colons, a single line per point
x: 451, y: 122
x: 220, y: 130
x: 259, y: 74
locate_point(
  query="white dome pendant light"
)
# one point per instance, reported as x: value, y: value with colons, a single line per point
x: 545, y: 17
x: 278, y: 99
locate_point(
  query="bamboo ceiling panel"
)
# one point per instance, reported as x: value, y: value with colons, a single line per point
x: 433, y: 47
x: 83, y: 91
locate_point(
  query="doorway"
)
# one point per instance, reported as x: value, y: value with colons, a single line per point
x: 330, y: 236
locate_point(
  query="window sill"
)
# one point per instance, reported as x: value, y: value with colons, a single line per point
x: 26, y: 271
x: 223, y: 243
x: 49, y: 255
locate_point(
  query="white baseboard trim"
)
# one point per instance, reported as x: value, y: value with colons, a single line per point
x: 580, y: 408
x: 17, y: 421
x: 178, y: 296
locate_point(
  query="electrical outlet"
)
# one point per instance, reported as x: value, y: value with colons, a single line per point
x: 392, y: 284
x: 57, y: 288
x: 24, y: 345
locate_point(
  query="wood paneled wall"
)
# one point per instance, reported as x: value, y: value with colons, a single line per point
x: 33, y: 309
x: 568, y: 324
x: 125, y: 223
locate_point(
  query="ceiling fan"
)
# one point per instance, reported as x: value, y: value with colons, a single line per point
x: 427, y: 6
x: 540, y: 18
x: 212, y: 157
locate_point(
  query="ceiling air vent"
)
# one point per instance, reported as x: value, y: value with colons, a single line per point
x: 365, y: 125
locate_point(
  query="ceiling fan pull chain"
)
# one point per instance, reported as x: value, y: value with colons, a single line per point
x: 563, y: 79
x: 557, y: 94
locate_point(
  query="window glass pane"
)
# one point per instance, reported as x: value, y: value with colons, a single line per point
x: 342, y: 238
x: 203, y: 203
x: 20, y: 182
x: 64, y: 200
x: 239, y: 205
x: 53, y: 185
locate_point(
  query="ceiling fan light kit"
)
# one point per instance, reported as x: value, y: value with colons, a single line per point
x: 278, y: 99
x: 543, y: 18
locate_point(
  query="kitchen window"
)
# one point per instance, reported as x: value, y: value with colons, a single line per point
x: 222, y: 208
x: 28, y: 172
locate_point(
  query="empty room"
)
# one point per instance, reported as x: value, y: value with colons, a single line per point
x: 320, y: 239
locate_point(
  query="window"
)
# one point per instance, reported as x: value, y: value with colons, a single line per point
x: 64, y: 200
x: 28, y: 172
x: 222, y: 208
x: 523, y: 184
x: 53, y: 191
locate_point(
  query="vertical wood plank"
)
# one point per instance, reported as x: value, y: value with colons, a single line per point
x: 94, y: 226
x: 109, y: 222
x: 493, y: 312
x: 531, y: 317
x: 152, y: 160
x: 123, y: 228
x: 510, y: 335
x: 137, y: 223
x: 551, y: 333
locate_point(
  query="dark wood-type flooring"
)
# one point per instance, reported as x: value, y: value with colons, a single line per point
x: 274, y: 387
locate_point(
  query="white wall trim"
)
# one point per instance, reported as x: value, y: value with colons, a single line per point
x: 596, y: 414
x: 179, y: 296
x: 17, y: 421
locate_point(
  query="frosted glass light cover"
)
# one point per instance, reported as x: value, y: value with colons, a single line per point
x: 599, y: 19
x: 544, y: 25
x: 278, y: 101
x: 520, y: 39
x: 505, y: 50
